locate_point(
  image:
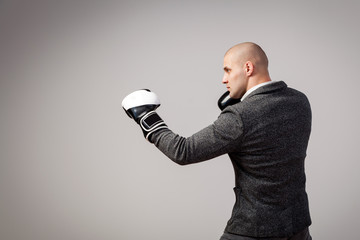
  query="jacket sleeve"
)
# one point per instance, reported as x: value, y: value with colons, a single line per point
x: 223, y: 136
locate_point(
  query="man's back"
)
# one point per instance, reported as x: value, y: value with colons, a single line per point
x: 269, y: 164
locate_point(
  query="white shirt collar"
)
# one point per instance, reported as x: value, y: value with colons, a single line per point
x: 254, y: 88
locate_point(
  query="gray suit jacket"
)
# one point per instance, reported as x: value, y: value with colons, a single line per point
x: 266, y: 138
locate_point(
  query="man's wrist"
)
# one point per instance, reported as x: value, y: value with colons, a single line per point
x: 150, y: 123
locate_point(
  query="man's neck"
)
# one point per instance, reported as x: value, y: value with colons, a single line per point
x: 254, y: 87
x: 256, y: 81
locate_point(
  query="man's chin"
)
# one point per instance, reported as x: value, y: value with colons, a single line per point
x: 233, y: 95
x: 230, y: 93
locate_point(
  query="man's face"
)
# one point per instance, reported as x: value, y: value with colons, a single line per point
x: 234, y: 76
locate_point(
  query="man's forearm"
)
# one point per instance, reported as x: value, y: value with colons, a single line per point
x: 219, y: 138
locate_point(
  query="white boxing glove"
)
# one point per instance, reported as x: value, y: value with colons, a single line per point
x: 141, y: 105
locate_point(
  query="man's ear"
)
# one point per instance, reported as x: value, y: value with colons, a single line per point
x: 249, y: 68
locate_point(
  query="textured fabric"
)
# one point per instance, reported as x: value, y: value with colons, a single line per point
x: 266, y: 138
x: 254, y: 88
x: 303, y: 235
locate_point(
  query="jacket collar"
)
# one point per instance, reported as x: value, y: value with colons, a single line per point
x: 275, y: 86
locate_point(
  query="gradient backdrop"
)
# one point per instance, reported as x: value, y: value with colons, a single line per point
x: 74, y: 166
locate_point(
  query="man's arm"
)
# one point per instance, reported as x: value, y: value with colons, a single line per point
x: 223, y: 136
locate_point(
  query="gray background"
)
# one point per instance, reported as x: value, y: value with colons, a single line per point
x: 74, y: 166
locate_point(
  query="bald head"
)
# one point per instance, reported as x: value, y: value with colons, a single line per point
x: 249, y: 51
x: 245, y: 66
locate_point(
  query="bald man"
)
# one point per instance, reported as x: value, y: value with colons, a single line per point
x: 265, y: 133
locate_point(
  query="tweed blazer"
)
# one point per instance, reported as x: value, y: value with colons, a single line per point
x: 266, y: 137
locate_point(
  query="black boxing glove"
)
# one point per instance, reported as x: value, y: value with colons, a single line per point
x: 225, y: 100
x: 141, y: 105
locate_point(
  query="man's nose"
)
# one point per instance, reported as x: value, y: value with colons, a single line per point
x: 224, y: 80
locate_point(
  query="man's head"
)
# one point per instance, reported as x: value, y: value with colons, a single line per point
x: 245, y: 66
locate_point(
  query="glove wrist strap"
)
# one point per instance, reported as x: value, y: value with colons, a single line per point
x: 150, y: 123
